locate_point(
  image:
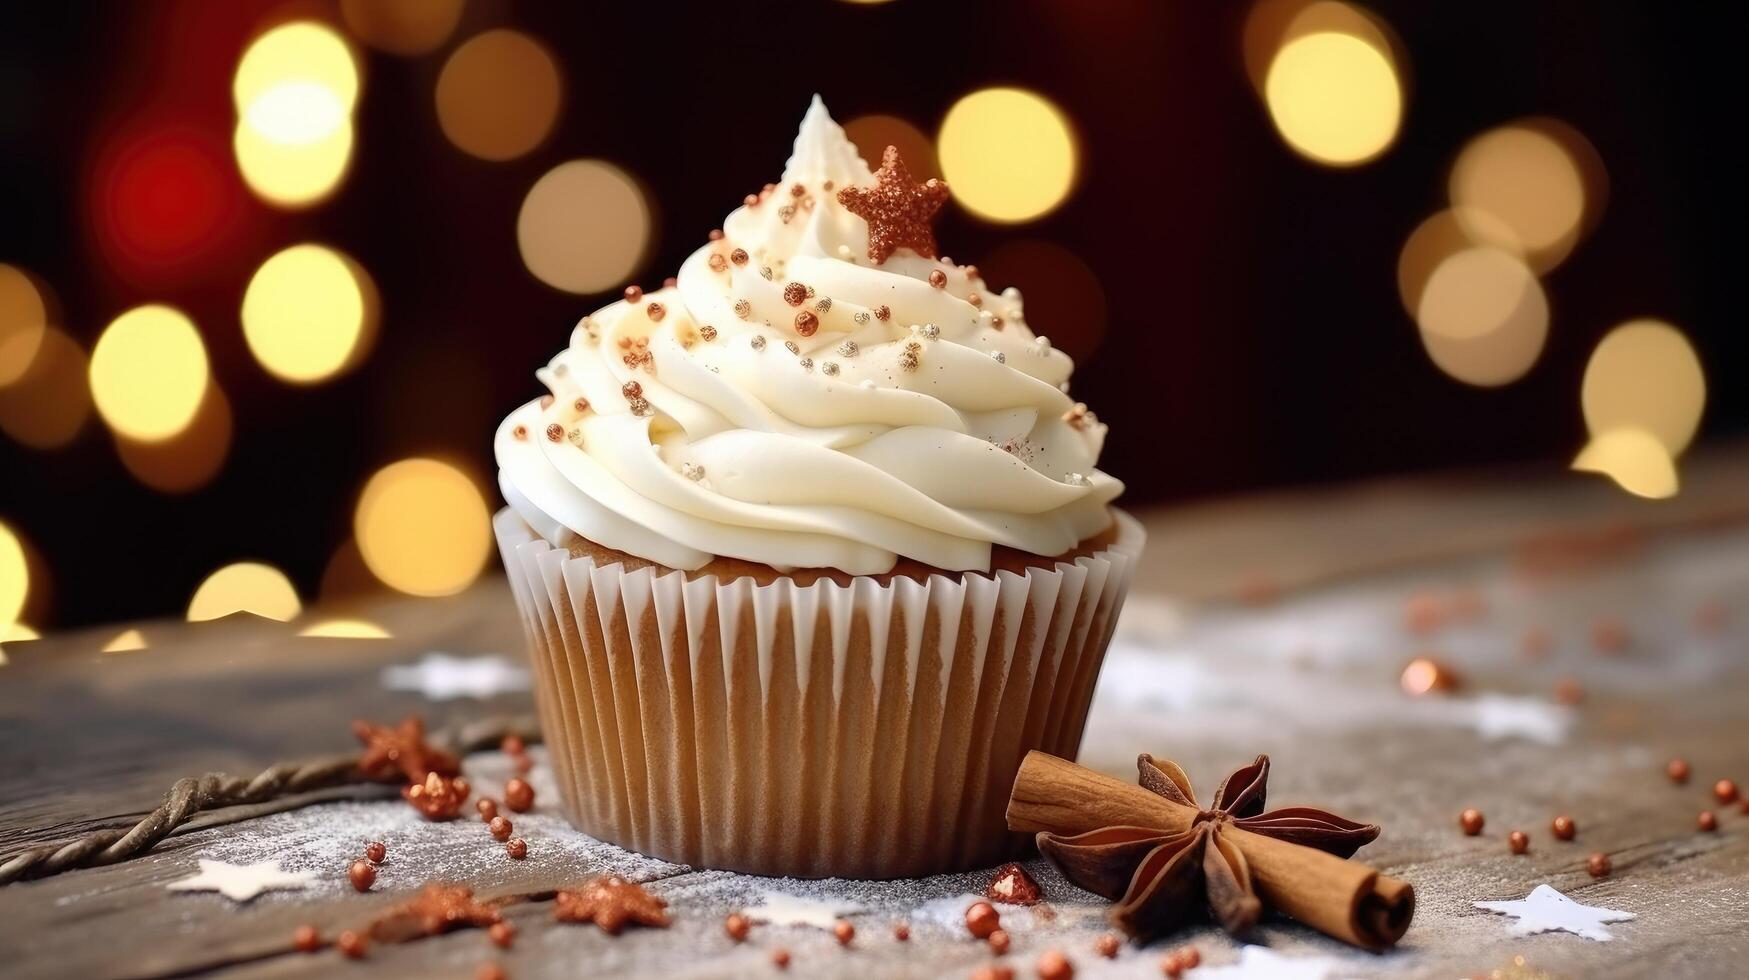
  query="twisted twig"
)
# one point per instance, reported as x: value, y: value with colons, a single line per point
x: 192, y: 795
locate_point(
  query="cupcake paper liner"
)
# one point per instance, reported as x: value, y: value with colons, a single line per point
x: 864, y: 731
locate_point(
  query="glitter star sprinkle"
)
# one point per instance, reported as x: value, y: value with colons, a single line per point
x: 610, y: 902
x: 437, y: 908
x: 400, y: 753
x: 899, y: 211
x: 1547, y: 910
x: 240, y: 882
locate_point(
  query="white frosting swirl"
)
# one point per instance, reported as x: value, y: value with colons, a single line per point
x: 681, y: 427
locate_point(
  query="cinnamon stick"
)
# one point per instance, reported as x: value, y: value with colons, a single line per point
x: 1343, y: 898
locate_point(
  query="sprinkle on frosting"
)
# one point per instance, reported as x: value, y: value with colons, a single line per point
x: 555, y: 432
x: 807, y: 323
x: 634, y: 294
x: 899, y: 212
x: 795, y: 294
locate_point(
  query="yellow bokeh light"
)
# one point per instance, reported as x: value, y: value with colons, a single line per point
x: 48, y: 406
x: 346, y: 629
x: 1009, y: 154
x: 1645, y: 375
x: 404, y: 27
x: 127, y: 641
x: 297, y: 53
x: 305, y: 313
x: 14, y: 577
x: 19, y: 633
x: 190, y: 459
x: 1483, y: 317
x: 149, y: 373
x: 1635, y: 459
x: 499, y: 95
x: 1334, y: 98
x: 292, y: 174
x: 423, y: 528
x: 246, y: 586
x: 1518, y: 187
x: 23, y: 322
x: 584, y: 227
x: 295, y: 91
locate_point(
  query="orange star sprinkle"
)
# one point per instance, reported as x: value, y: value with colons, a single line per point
x: 610, y: 902
x: 899, y: 211
x: 437, y: 908
x: 400, y: 753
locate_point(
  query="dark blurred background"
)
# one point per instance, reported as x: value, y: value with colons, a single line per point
x: 1233, y: 305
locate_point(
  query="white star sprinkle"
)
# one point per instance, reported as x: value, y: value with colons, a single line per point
x: 1262, y: 963
x: 441, y: 677
x: 240, y: 882
x: 781, y: 909
x: 1547, y: 910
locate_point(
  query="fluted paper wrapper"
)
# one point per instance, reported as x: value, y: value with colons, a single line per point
x: 861, y: 730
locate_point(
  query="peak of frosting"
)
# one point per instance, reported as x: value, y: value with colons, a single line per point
x: 823, y: 152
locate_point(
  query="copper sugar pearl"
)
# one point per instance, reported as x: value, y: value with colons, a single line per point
x: 362, y: 874
x: 999, y: 942
x: 499, y: 828
x: 1053, y: 965
x: 1599, y: 865
x: 1106, y: 945
x: 351, y: 945
x: 1725, y: 791
x: 1677, y: 770
x: 1563, y: 827
x: 502, y: 934
x: 982, y: 919
x: 517, y: 848
x: 518, y: 795
x: 1707, y: 821
x: 1471, y: 821
x: 844, y: 932
x: 305, y: 939
x: 736, y: 927
x: 1518, y: 841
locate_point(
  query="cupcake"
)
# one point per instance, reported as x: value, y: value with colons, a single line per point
x: 810, y: 544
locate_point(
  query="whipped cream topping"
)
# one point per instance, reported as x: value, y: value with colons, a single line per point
x: 786, y: 401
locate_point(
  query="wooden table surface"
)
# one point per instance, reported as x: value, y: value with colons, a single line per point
x: 1272, y: 624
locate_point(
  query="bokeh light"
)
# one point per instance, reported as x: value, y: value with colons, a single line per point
x: 872, y: 134
x: 163, y: 199
x: 346, y: 629
x: 23, y: 322
x: 14, y: 577
x: 47, y: 407
x: 403, y: 27
x: 1009, y: 154
x: 1483, y: 317
x: 1645, y: 375
x: 1060, y: 295
x: 1334, y: 98
x: 190, y: 459
x: 1271, y: 24
x: 584, y: 227
x: 1519, y: 187
x: 295, y: 90
x: 149, y: 373
x: 127, y: 641
x: 499, y: 94
x: 1635, y: 459
x: 1431, y: 243
x: 423, y: 528
x: 245, y: 586
x: 309, y: 312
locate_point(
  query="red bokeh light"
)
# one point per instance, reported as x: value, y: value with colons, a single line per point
x: 164, y: 199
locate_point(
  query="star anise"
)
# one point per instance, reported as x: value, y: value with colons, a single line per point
x: 437, y: 908
x: 401, y: 753
x: 1154, y: 875
x: 610, y: 902
x: 899, y: 212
